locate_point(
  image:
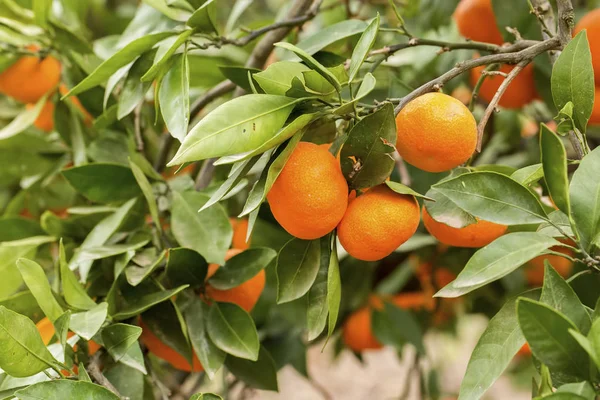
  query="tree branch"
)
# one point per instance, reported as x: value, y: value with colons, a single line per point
x: 526, y: 54
x: 448, y: 46
x: 492, y: 106
x: 95, y: 372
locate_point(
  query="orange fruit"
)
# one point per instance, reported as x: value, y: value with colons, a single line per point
x: 310, y: 196
x: 47, y: 332
x: 377, y: 222
x: 520, y: 92
x: 534, y: 270
x: 478, y: 234
x: 167, y: 353
x: 240, y: 230
x: 245, y: 295
x: 529, y: 128
x: 524, y: 351
x: 357, y: 332
x: 595, y: 117
x: 436, y: 132
x: 45, y: 120
x: 591, y: 22
x: 30, y: 77
x: 476, y: 21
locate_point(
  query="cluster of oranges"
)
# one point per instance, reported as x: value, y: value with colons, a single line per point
x: 30, y: 78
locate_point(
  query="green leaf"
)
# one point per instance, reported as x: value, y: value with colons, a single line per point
x: 573, y: 79
x: 395, y: 326
x: 277, y: 78
x: 121, y: 58
x: 10, y: 252
x: 65, y: 389
x: 554, y: 162
x: 118, y: 338
x: 403, y: 189
x: 207, y: 232
x: 239, y: 75
x: 97, y: 253
x: 444, y: 210
x: 210, y: 356
x: 133, y: 91
x: 164, y: 55
x: 317, y: 310
x: 35, y: 279
x: 103, y: 183
x: 61, y: 326
x: 496, y: 260
x: 136, y: 274
x: 240, y: 125
x: 583, y: 389
x: 174, y: 13
x: 528, y: 175
x: 41, y: 10
x: 559, y: 219
x: 560, y: 296
x: 87, y: 324
x: 592, y: 343
x: 547, y: 332
x: 206, y: 396
x: 366, y: 157
x: 144, y: 302
x: 514, y: 13
x: 22, y: 121
x: 242, y: 267
x: 331, y: 34
x: 186, y: 266
x: 334, y: 290
x: 204, y: 18
x: 128, y: 381
x: 232, y: 330
x: 584, y: 192
x: 312, y: 63
x: 146, y: 188
x: 494, y: 351
x: 75, y: 295
x: 297, y: 268
x: 361, y: 50
x: 174, y: 97
x: 260, y: 374
x: 261, y: 188
x: 493, y: 197
x: 22, y: 352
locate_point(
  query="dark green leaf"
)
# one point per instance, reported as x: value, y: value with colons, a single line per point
x: 317, y: 310
x: 238, y: 75
x: 366, y: 157
x: 277, y: 78
x: 297, y: 268
x: 584, y: 192
x: 547, y: 332
x: 493, y: 197
x: 583, y: 389
x: 260, y: 374
x: 232, y: 330
x: 496, y: 260
x: 118, y: 338
x: 136, y: 274
x: 65, y: 389
x: 210, y: 356
x: 242, y: 267
x: 185, y: 266
x: 208, y: 232
x: 395, y: 326
x: 146, y: 188
x: 554, y: 162
x: 103, y: 183
x: 203, y: 19
x: 573, y: 79
x: 141, y: 304
x: 134, y: 90
x: 334, y: 290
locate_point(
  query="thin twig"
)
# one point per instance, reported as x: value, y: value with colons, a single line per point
x: 526, y: 54
x: 94, y: 370
x: 494, y: 103
x: 212, y: 94
x: 137, y: 128
x: 205, y: 174
x: 402, y: 170
x: 163, y: 152
x: 448, y: 46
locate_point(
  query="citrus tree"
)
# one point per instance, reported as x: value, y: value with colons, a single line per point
x: 194, y: 192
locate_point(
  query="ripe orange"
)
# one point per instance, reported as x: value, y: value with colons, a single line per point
x: 310, y: 195
x: 377, y: 222
x: 167, y: 353
x: 240, y: 229
x: 520, y: 92
x: 357, y: 332
x: 436, y: 132
x: 591, y: 22
x: 475, y: 20
x: 45, y: 120
x: 524, y: 351
x: 595, y: 117
x: 245, y: 295
x: 534, y: 271
x: 47, y: 332
x: 478, y: 234
x: 30, y: 77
